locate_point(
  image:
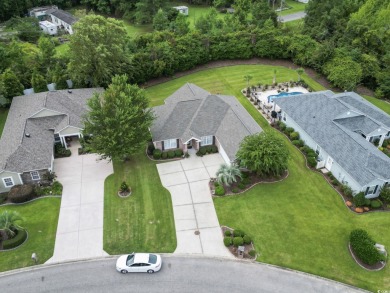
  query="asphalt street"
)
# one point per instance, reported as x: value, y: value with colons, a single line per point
x: 178, y: 274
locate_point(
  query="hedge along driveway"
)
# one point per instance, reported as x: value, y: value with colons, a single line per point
x: 40, y: 218
x: 301, y: 222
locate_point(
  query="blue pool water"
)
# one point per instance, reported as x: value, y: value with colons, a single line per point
x: 270, y: 98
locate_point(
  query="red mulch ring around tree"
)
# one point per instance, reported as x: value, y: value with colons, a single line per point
x: 251, y: 180
x: 375, y: 267
x: 233, y: 249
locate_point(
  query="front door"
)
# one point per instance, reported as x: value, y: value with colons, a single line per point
x: 189, y: 144
x: 329, y: 163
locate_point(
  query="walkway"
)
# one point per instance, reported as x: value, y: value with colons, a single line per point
x: 80, y: 224
x: 193, y: 207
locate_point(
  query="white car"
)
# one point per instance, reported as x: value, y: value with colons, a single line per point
x: 139, y: 263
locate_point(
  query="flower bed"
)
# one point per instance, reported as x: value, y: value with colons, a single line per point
x: 234, y: 238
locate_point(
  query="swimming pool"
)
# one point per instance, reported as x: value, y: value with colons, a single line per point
x: 283, y: 94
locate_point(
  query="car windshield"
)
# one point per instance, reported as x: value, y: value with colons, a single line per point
x: 152, y: 258
x: 130, y: 260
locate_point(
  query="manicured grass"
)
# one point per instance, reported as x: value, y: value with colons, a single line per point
x: 40, y: 220
x: 134, y: 30
x: 301, y: 222
x: 144, y: 221
x: 62, y: 49
x: 3, y: 118
x: 294, y: 25
x: 295, y: 7
x: 382, y: 104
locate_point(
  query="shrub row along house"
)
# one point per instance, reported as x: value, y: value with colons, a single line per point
x: 192, y: 117
x: 345, y: 131
x: 33, y: 125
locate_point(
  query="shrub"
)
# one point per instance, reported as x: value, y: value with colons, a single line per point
x: 359, y: 200
x: 252, y: 253
x: 219, y: 190
x: 330, y: 175
x: 18, y: 239
x: 297, y: 142
x: 208, y: 149
x: 157, y: 154
x: 312, y: 153
x: 367, y: 202
x: 244, y: 175
x: 164, y: 155
x: 228, y: 233
x: 21, y: 193
x: 335, y: 182
x: 171, y: 154
x: 289, y: 130
x: 282, y: 126
x: 245, y: 181
x: 238, y: 241
x: 151, y: 148
x: 56, y: 188
x: 376, y: 204
x: 238, y: 233
x: 202, y: 151
x: 216, y: 184
x: 124, y: 187
x: 214, y: 149
x: 385, y: 194
x: 294, y: 135
x: 347, y: 190
x: 312, y: 162
x: 235, y: 190
x: 305, y: 149
x: 363, y: 247
x: 227, y: 241
x: 60, y: 151
x: 247, y: 239
x: 178, y: 153
x: 241, y: 185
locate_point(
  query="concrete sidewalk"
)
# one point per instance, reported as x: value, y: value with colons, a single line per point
x: 80, y: 224
x: 187, y: 180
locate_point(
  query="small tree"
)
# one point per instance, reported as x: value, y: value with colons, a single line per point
x: 8, y: 223
x: 228, y: 174
x: 264, y: 153
x: 248, y: 78
x: 385, y: 194
x: 160, y: 21
x: 300, y: 71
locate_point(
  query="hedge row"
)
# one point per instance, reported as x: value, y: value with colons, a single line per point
x: 158, y: 154
x: 207, y: 149
x: 363, y: 247
x: 18, y: 239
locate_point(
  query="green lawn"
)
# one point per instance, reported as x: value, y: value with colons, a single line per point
x: 295, y: 25
x: 301, y: 222
x: 62, y: 49
x: 3, y: 118
x: 295, y: 7
x: 40, y: 220
x: 385, y: 106
x: 144, y: 221
x: 134, y: 30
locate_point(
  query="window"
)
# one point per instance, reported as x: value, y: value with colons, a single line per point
x: 8, y: 182
x: 207, y: 140
x: 35, y: 175
x: 284, y: 116
x: 170, y: 144
x: 371, y: 189
x: 318, y: 149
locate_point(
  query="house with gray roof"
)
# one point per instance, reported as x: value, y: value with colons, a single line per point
x: 34, y: 123
x: 345, y: 131
x: 62, y: 19
x: 192, y: 117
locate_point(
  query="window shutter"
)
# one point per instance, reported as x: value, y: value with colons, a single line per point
x: 376, y: 187
x: 177, y: 143
x: 367, y: 189
x: 213, y: 140
x: 162, y: 145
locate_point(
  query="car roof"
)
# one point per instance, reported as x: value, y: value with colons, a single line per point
x: 141, y: 258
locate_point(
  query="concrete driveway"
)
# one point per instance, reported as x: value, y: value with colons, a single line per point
x: 80, y: 224
x: 187, y: 181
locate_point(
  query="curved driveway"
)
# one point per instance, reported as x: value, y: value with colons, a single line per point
x: 178, y: 274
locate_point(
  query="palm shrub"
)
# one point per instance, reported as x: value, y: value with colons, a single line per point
x: 8, y: 224
x: 363, y: 247
x: 226, y: 174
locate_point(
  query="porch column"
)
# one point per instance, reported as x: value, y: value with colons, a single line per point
x: 382, y: 139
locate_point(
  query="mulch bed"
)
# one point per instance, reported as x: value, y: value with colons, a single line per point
x: 375, y: 267
x: 253, y: 179
x: 233, y: 249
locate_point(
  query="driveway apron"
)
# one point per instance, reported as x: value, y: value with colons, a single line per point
x: 197, y: 227
x: 80, y: 224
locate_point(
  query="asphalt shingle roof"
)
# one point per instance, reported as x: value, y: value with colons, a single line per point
x: 315, y: 113
x: 20, y: 153
x: 193, y: 112
x: 64, y: 16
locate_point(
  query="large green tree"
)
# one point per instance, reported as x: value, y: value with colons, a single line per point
x: 118, y: 121
x: 8, y: 223
x: 264, y: 153
x: 343, y: 72
x: 97, y: 50
x: 12, y: 85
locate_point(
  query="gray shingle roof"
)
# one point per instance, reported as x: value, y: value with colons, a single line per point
x: 315, y: 113
x: 64, y: 16
x: 362, y: 124
x: 20, y: 153
x: 193, y: 112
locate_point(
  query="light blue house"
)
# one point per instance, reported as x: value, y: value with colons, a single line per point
x: 342, y: 129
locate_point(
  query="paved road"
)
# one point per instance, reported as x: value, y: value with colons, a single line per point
x: 178, y: 274
x: 293, y: 16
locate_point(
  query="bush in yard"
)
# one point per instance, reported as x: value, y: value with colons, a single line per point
x: 214, y: 149
x: 282, y: 126
x: 385, y: 194
x: 157, y: 154
x: 219, y: 190
x: 178, y: 153
x: 209, y: 149
x: 294, y: 135
x: 238, y: 233
x: 228, y: 233
x: 330, y: 175
x: 363, y: 247
x: 171, y: 154
x: 164, y: 155
x: 252, y: 253
x: 216, y: 184
x: 347, y: 190
x: 289, y: 130
x: 245, y: 181
x: 376, y: 204
x: 312, y: 162
x: 241, y: 185
x: 202, y: 151
x: 227, y: 241
x: 151, y: 148
x: 244, y: 175
x: 247, y: 239
x: 3, y: 197
x: 298, y: 143
x: 56, y: 188
x: 238, y: 241
x: 335, y: 182
x: 124, y: 187
x: 21, y: 193
x: 359, y: 200
x: 305, y: 149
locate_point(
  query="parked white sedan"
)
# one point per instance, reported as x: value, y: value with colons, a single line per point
x: 138, y: 263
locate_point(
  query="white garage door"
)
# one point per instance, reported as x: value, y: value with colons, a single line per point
x: 224, y: 155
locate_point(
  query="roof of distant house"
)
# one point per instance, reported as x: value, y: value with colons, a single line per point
x: 63, y: 15
x: 27, y: 142
x: 192, y: 112
x: 324, y: 117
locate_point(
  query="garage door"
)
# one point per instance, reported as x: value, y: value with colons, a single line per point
x: 224, y: 155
